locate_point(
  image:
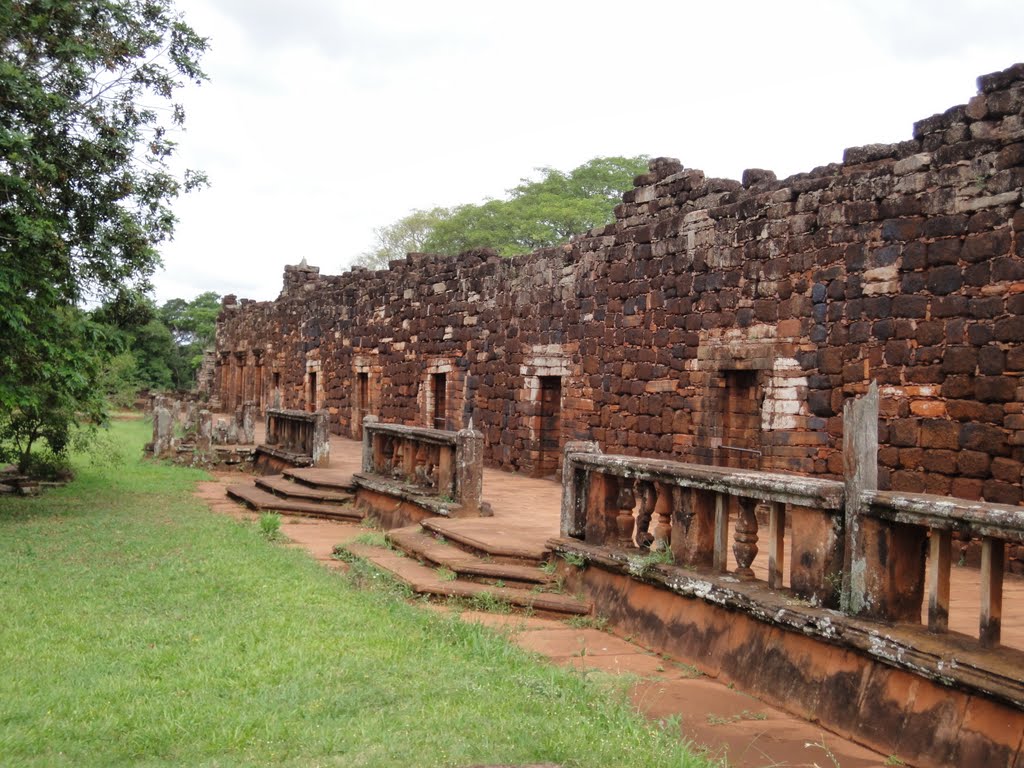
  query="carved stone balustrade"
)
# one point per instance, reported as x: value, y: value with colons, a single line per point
x: 628, y: 502
x: 294, y: 439
x: 904, y: 548
x: 437, y: 469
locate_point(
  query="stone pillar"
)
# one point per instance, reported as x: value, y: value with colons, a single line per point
x: 860, y: 470
x: 247, y: 430
x: 163, y: 430
x: 469, y: 469
x: 574, y: 490
x: 816, y: 555
x: 321, y: 449
x: 221, y: 433
x: 204, y: 433
x: 693, y: 526
x: 368, y: 444
x: 191, y: 416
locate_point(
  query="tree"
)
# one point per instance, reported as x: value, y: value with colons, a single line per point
x: 407, y: 235
x: 536, y: 214
x: 193, y: 323
x: 86, y: 89
x: 151, y: 347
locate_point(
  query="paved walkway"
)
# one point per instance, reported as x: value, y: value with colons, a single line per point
x: 716, y: 718
x: 723, y: 721
x: 527, y: 511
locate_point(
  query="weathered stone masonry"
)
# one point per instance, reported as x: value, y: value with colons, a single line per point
x: 714, y: 321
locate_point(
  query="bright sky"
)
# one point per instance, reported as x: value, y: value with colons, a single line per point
x: 324, y: 119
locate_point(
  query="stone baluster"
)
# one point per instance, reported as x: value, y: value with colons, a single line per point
x: 745, y: 538
x: 648, y: 497
x: 624, y: 521
x: 398, y: 458
x: 421, y: 464
x: 665, y: 497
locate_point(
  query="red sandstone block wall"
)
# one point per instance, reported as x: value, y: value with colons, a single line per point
x: 904, y: 264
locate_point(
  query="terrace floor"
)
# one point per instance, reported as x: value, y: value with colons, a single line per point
x: 527, y: 511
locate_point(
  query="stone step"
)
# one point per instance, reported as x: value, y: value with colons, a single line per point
x: 425, y: 581
x: 415, y: 541
x: 259, y: 500
x: 499, y: 548
x: 287, y: 489
x: 330, y: 480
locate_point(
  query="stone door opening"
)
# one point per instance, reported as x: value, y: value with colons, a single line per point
x: 549, y: 430
x: 363, y: 405
x: 311, y: 400
x: 258, y: 388
x: 438, y: 388
x: 741, y: 421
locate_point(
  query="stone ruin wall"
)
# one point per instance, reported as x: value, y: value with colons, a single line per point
x: 904, y: 264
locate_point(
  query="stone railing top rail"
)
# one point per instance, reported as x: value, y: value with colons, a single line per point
x: 290, y: 414
x: 765, y: 486
x: 976, y: 518
x: 423, y: 434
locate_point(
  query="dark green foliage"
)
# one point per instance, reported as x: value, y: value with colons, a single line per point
x: 84, y: 189
x: 155, y: 347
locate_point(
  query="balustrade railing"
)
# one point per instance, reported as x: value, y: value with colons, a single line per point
x: 646, y: 504
x: 906, y: 540
x: 895, y: 553
x: 300, y: 436
x: 437, y: 462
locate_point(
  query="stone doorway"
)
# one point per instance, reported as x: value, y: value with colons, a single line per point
x: 549, y: 427
x: 363, y: 398
x: 311, y: 399
x: 741, y: 421
x: 439, y: 391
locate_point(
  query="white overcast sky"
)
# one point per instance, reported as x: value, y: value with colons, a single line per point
x: 323, y: 119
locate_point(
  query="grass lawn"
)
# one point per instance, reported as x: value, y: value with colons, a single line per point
x: 139, y: 628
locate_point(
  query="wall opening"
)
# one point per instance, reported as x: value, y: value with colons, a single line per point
x: 258, y: 388
x: 549, y: 427
x: 311, y: 398
x: 439, y: 391
x: 363, y: 404
x: 741, y: 421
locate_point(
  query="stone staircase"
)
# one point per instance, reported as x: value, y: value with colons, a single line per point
x: 310, y: 492
x: 449, y: 566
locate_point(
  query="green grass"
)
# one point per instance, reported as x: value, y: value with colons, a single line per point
x: 139, y: 628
